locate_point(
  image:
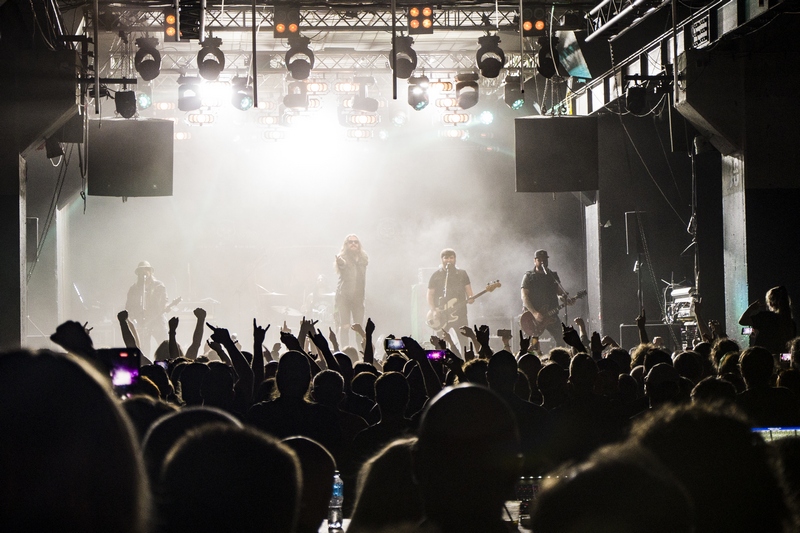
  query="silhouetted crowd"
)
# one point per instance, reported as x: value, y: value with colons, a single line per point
x: 225, y: 437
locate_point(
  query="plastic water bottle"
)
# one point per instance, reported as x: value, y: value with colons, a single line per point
x: 335, y: 505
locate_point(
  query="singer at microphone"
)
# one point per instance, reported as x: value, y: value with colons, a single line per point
x: 449, y: 292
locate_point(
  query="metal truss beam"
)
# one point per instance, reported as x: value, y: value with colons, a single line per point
x: 143, y: 20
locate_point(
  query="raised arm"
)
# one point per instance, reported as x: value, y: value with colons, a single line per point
x: 369, y: 350
x: 244, y: 383
x: 415, y: 352
x: 259, y: 334
x: 641, y: 320
x: 127, y: 330
x: 174, y: 352
x: 197, y: 336
x: 482, y: 333
x: 322, y: 345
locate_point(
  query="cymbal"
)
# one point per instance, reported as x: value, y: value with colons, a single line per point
x: 328, y: 294
x: 268, y: 292
x: 288, y: 311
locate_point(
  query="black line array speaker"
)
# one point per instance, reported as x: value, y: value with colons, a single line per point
x: 629, y: 335
x: 130, y: 157
x: 556, y: 154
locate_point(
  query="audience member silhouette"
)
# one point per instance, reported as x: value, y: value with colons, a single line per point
x: 727, y: 470
x: 766, y: 406
x: 317, y: 466
x: 68, y: 454
x: 167, y: 430
x: 773, y: 326
x: 386, y: 493
x: 714, y: 390
x: 228, y: 478
x: 143, y: 411
x: 291, y: 414
x: 467, y: 459
x: 618, y: 489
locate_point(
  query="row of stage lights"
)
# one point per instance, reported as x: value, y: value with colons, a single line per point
x: 299, y: 60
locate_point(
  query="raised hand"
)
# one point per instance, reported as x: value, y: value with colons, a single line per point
x: 319, y: 340
x: 173, y: 324
x: 596, y: 343
x: 290, y: 341
x: 482, y: 334
x: 200, y: 313
x: 359, y: 330
x: 467, y: 332
x: 571, y: 337
x: 436, y: 341
x: 524, y: 342
x: 285, y: 328
x: 220, y: 335
x: 122, y: 316
x: 333, y: 339
x: 259, y: 333
x: 74, y: 337
x: 369, y: 329
x: 469, y: 353
x: 608, y: 341
x: 414, y: 350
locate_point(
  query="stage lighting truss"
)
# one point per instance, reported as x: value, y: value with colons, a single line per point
x: 405, y: 58
x: 210, y: 59
x: 467, y: 90
x: 491, y: 59
x: 147, y: 60
x: 299, y: 59
x: 512, y: 94
x: 125, y: 103
x: 418, y: 92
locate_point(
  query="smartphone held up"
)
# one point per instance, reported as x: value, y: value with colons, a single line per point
x: 123, y: 364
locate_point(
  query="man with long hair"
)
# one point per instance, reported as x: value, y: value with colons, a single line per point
x: 351, y: 266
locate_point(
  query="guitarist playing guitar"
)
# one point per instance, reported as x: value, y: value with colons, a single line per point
x: 541, y: 289
x: 446, y: 283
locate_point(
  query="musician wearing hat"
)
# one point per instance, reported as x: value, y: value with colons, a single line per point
x: 147, y: 307
x: 541, y: 289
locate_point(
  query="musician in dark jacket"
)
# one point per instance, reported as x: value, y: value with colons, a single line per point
x: 147, y: 306
x: 541, y: 288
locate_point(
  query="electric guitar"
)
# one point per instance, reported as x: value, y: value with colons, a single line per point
x: 533, y: 328
x: 443, y: 315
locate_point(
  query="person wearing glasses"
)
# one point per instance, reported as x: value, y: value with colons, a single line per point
x: 351, y: 266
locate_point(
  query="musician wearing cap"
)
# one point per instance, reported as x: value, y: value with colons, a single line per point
x: 147, y: 307
x: 351, y: 266
x: 541, y: 288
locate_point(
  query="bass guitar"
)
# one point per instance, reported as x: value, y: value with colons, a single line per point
x: 533, y: 328
x: 443, y: 315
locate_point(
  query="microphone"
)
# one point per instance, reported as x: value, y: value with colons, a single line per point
x: 544, y: 270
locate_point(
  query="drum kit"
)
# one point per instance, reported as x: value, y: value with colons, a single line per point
x: 318, y: 306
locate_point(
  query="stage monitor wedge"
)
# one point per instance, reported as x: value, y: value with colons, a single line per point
x: 556, y: 154
x: 130, y: 158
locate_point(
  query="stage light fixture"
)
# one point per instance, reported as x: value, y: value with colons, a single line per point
x: 317, y: 87
x: 299, y: 59
x: 125, y: 103
x: 446, y: 103
x: 200, y: 119
x: 242, y: 97
x: 182, y: 135
x: 361, y: 102
x: 513, y: 96
x: 189, y: 98
x: 486, y: 118
x: 297, y: 97
x: 274, y: 135
x: 147, y: 60
x: 210, y: 59
x: 420, y: 19
x: 461, y: 135
x: 406, y: 58
x: 418, y: 92
x: 491, y: 58
x: 546, y: 60
x: 269, y: 120
x: 286, y: 21
x: 467, y: 90
x: 456, y: 118
x: 534, y: 20
x: 170, y: 25
x: 359, y: 134
x: 143, y: 100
